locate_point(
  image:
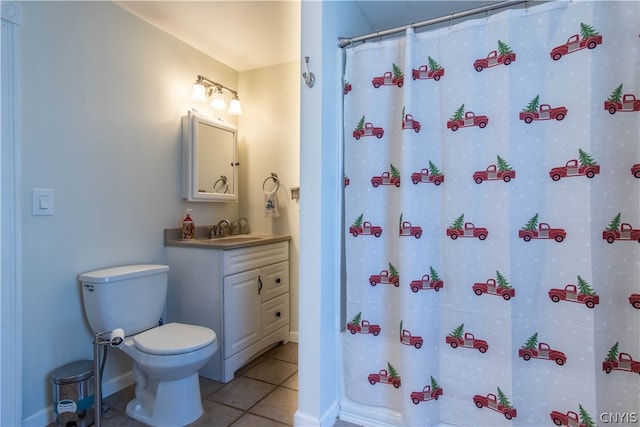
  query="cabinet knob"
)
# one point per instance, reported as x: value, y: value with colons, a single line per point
x: 278, y: 314
x: 278, y: 280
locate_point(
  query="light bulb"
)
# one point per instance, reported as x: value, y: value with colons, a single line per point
x: 199, y: 92
x: 217, y: 100
x: 234, y: 106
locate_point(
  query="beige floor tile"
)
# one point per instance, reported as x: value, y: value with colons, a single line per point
x: 280, y: 405
x: 272, y: 371
x: 291, y: 382
x: 216, y: 414
x: 242, y: 393
x: 287, y: 352
x: 250, y: 420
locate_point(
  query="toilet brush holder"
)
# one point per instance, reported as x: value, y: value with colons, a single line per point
x: 116, y: 338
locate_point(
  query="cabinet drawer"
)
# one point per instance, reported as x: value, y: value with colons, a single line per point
x: 275, y: 314
x: 243, y: 259
x: 275, y: 280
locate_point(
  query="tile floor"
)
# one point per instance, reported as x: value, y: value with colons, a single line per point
x: 263, y: 394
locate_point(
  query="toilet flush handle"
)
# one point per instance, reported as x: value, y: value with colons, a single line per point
x: 90, y: 288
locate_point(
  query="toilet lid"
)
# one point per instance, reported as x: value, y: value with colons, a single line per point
x: 174, y: 338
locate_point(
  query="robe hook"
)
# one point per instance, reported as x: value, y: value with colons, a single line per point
x: 309, y: 77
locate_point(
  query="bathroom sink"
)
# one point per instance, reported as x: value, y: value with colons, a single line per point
x: 234, y: 239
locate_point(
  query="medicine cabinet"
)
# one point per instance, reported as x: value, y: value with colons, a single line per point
x: 210, y: 159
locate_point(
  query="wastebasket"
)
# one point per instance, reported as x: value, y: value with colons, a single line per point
x: 73, y: 387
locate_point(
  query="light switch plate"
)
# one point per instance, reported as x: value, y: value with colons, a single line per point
x: 42, y: 201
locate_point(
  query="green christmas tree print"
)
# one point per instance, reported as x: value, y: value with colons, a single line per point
x: 503, y: 48
x: 356, y: 319
x: 358, y: 222
x: 502, y: 281
x: 503, y: 166
x: 532, y: 342
x: 434, y: 384
x: 585, y: 418
x: 616, y: 95
x: 585, y: 158
x: 395, y: 173
x: 360, y: 125
x: 459, y: 114
x: 614, y: 225
x: 502, y: 398
x: 613, y: 352
x: 433, y: 64
x: 433, y: 169
x: 397, y: 72
x: 533, y: 105
x: 457, y: 332
x: 584, y: 288
x: 458, y: 223
x: 393, y: 271
x: 400, y: 221
x: 587, y: 31
x: 532, y: 224
x: 392, y: 371
x: 433, y: 274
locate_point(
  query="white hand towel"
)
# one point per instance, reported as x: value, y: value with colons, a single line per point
x: 271, y: 203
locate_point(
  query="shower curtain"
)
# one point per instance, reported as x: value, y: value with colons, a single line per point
x: 492, y: 220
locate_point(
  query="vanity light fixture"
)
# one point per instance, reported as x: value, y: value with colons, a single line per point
x: 204, y: 88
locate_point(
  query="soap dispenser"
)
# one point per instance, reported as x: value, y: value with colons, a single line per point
x: 188, y: 227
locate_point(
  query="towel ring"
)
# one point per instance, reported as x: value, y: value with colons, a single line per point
x: 275, y: 179
x: 222, y: 183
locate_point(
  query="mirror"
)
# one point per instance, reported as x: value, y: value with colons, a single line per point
x: 210, y: 159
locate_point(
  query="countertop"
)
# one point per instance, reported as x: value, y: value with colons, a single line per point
x: 173, y: 237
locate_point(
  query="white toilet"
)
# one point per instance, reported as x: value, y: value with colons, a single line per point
x: 167, y: 358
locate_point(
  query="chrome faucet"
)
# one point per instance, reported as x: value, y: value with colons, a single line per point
x: 218, y: 230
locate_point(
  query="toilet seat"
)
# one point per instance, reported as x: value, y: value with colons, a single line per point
x: 174, y: 338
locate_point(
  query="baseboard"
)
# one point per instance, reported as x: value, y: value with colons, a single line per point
x: 293, y: 337
x: 44, y: 417
x: 327, y: 419
x: 365, y: 415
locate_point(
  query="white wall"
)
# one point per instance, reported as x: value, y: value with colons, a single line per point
x: 321, y: 230
x: 269, y: 141
x: 101, y: 98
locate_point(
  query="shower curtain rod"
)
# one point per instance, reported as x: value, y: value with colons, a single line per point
x: 346, y: 41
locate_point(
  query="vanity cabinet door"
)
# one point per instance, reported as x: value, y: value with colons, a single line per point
x: 242, y: 313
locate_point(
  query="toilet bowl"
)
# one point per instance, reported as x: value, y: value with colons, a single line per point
x: 166, y: 358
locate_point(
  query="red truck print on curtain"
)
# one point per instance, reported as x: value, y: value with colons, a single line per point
x: 427, y: 281
x: 581, y: 294
x: 429, y: 392
x: 462, y: 119
x: 617, y: 230
x: 534, y: 230
x: 634, y: 300
x: 457, y: 229
x: 501, y: 172
x: 619, y: 102
x: 429, y: 175
x: 588, y: 38
x: 534, y: 350
x: 583, y: 166
x: 499, y: 287
x: 617, y: 361
x: 390, y: 78
x: 504, y: 55
x: 408, y: 122
x: 459, y: 338
x: 386, y: 376
x: 387, y: 178
x: 536, y: 111
x: 498, y: 403
x: 431, y: 71
x: 386, y: 277
x: 359, y: 326
x: 365, y: 228
x: 406, y: 229
x: 407, y: 339
x: 572, y: 419
x: 635, y: 170
x: 367, y: 129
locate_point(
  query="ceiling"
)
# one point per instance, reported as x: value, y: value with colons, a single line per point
x: 250, y: 34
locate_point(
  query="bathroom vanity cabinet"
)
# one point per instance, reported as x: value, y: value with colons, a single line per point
x: 241, y: 293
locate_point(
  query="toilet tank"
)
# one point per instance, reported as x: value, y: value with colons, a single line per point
x: 130, y: 297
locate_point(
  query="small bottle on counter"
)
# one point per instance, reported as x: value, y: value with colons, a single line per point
x: 188, y: 227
